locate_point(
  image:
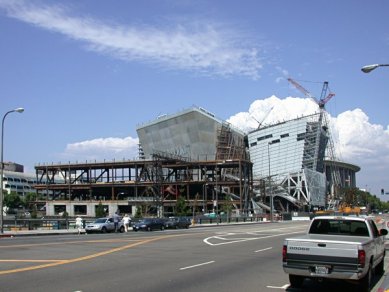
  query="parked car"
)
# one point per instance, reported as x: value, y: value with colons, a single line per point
x: 103, y: 225
x: 177, y: 222
x: 149, y: 224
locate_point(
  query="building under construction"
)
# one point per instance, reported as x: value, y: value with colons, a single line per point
x: 190, y: 155
x: 213, y: 167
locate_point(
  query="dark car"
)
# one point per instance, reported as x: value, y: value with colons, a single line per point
x: 149, y: 224
x: 177, y: 222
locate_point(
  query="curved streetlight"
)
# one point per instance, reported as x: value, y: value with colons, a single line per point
x: 17, y: 110
x: 369, y: 68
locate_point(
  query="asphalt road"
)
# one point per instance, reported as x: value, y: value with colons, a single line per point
x: 222, y: 258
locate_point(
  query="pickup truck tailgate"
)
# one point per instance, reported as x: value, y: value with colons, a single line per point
x: 322, y: 256
x: 334, y: 245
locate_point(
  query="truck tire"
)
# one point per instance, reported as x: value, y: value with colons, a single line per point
x: 296, y: 281
x: 365, y: 282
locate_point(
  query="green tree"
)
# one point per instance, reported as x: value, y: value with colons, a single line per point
x: 182, y: 209
x: 29, y: 200
x: 12, y: 200
x: 228, y: 205
x: 34, y: 212
x: 100, y: 212
x: 139, y: 212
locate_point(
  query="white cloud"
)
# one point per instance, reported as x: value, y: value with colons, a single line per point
x: 200, y: 47
x: 102, y: 148
x: 357, y: 140
x: 272, y: 110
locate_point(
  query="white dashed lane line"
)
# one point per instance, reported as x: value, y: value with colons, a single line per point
x: 263, y: 249
x: 198, y: 265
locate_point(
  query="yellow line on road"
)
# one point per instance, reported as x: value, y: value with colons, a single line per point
x: 63, y: 262
x: 70, y: 242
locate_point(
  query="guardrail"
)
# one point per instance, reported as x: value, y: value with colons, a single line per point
x: 41, y: 224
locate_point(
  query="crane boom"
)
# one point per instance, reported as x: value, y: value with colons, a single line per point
x: 303, y: 90
x: 264, y: 118
x: 323, y: 100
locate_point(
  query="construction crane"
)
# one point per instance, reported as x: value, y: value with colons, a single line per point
x: 323, y: 116
x: 264, y: 118
x: 323, y: 99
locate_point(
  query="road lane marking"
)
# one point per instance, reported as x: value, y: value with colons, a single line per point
x: 70, y: 242
x: 195, y: 266
x: 264, y: 249
x: 207, y: 240
x: 69, y: 261
x: 281, y: 288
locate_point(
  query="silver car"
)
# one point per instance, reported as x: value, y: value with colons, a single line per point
x: 103, y: 225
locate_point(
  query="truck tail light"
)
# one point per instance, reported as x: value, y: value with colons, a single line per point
x: 284, y: 250
x: 361, y: 258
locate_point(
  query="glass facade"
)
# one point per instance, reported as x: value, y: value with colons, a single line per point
x: 289, y: 156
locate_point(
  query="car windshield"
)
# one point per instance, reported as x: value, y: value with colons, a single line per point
x: 101, y: 220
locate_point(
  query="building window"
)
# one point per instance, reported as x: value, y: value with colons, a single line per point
x: 285, y: 135
x: 80, y: 210
x: 253, y: 144
x: 59, y: 209
x: 265, y: 137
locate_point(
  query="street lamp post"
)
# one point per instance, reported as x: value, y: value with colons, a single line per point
x: 270, y: 186
x: 18, y: 110
x: 369, y: 68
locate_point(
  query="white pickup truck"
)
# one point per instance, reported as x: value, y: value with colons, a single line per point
x: 343, y: 248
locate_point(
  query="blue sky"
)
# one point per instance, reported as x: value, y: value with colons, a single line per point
x: 88, y: 72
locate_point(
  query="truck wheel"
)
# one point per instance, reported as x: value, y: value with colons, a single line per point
x: 296, y: 281
x: 365, y: 282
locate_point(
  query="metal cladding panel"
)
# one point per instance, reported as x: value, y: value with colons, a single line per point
x: 277, y: 147
x: 191, y: 134
x: 317, y: 187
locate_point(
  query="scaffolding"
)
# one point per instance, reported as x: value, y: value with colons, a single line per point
x: 155, y: 183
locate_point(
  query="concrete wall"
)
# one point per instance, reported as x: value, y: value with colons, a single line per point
x: 90, y: 207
